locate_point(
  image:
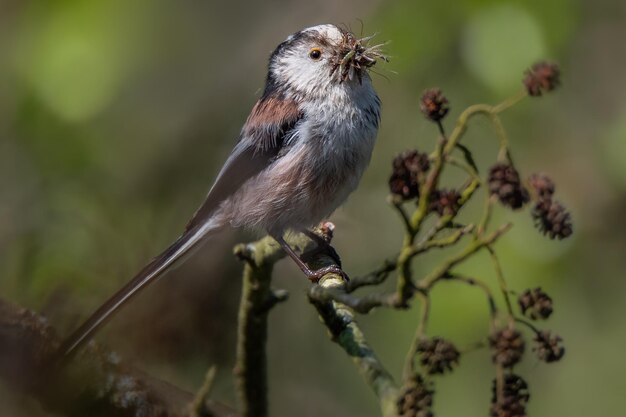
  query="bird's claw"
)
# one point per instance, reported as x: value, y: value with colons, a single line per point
x: 326, y: 249
x: 315, y: 276
x: 322, y: 246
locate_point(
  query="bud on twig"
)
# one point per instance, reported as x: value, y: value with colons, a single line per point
x: 434, y: 105
x: 444, y: 202
x: 507, y: 346
x: 504, y: 182
x: 409, y: 168
x: 548, y: 347
x: 514, y: 397
x: 541, y: 78
x: 438, y: 355
x: 415, y: 399
x: 535, y: 304
x: 542, y: 185
x: 552, y: 219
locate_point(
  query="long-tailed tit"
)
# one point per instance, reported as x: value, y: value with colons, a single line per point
x: 301, y: 152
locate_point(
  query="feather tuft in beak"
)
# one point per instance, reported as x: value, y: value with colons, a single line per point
x: 354, y: 57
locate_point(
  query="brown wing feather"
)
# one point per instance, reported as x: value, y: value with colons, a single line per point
x: 261, y: 140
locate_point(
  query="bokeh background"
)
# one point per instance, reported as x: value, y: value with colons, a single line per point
x: 115, y: 117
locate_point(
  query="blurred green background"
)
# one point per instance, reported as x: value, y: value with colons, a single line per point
x: 115, y: 117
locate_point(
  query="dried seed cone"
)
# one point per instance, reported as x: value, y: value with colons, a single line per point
x: 444, y: 202
x: 548, y: 347
x: 514, y: 397
x: 409, y: 168
x: 415, y: 399
x: 552, y: 219
x: 541, y: 78
x: 507, y: 347
x: 434, y: 105
x: 438, y: 355
x: 542, y: 185
x: 535, y: 304
x: 504, y: 182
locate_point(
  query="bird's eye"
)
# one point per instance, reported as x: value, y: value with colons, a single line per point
x: 315, y: 53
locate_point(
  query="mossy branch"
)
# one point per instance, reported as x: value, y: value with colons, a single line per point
x: 260, y: 257
x: 345, y: 331
x: 257, y: 298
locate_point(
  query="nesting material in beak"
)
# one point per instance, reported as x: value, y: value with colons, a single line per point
x: 354, y: 57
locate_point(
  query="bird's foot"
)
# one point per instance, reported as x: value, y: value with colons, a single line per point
x: 323, y: 246
x: 315, y: 276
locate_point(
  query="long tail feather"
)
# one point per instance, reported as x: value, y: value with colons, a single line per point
x: 147, y: 275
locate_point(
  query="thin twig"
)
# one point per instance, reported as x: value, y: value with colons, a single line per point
x: 501, y: 281
x: 375, y: 277
x: 511, y: 101
x: 429, y: 185
x: 528, y: 324
x: 491, y: 112
x: 448, y: 241
x: 420, y: 334
x: 445, y: 267
x: 503, y: 153
x: 468, y: 191
x: 493, y: 309
x: 397, y: 205
x: 198, y: 407
x: 470, y: 170
x: 486, y: 216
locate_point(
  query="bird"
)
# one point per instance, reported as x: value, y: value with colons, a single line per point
x: 301, y: 152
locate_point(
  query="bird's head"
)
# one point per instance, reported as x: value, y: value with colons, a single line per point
x: 316, y: 60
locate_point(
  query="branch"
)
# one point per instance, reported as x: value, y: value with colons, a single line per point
x: 375, y: 277
x: 362, y: 305
x: 94, y: 383
x: 346, y: 332
x: 260, y: 257
x: 257, y: 298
